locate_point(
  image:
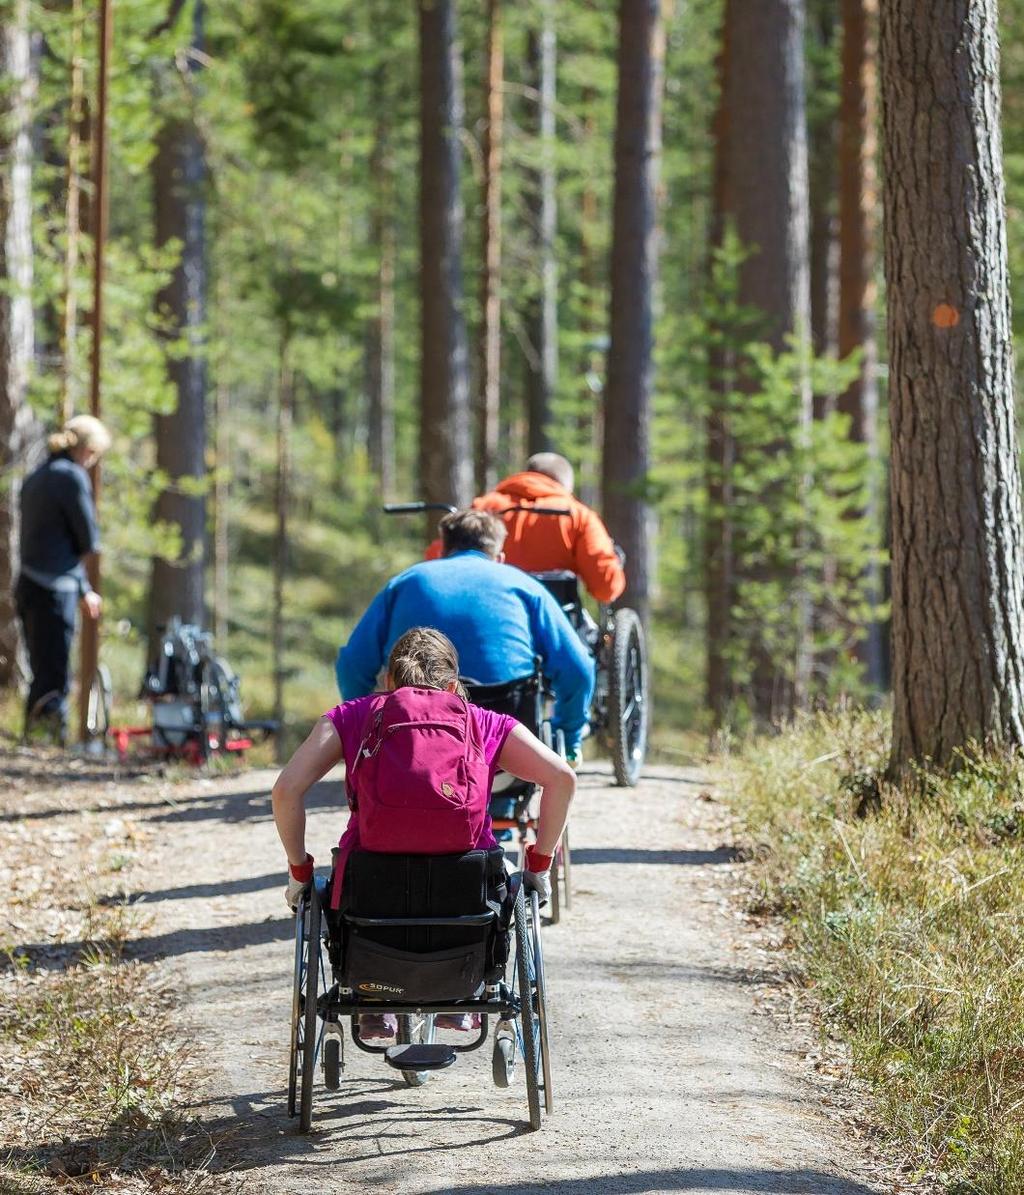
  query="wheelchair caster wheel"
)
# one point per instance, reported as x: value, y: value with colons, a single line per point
x: 503, y: 1060
x: 332, y: 1064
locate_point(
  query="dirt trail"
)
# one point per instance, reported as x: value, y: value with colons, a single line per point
x: 665, y: 1079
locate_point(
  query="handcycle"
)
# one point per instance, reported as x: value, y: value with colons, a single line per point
x: 419, y: 936
x: 619, y: 711
x: 193, y: 695
x: 512, y: 799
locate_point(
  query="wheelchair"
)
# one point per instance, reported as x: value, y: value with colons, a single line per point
x: 620, y: 710
x: 512, y: 799
x: 419, y: 936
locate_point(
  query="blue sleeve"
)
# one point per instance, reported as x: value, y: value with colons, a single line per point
x: 567, y: 664
x: 362, y: 658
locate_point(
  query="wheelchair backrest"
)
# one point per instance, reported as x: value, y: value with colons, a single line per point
x: 422, y: 962
x: 522, y: 699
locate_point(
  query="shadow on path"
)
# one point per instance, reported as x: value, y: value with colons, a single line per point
x: 775, y: 1182
x: 695, y: 858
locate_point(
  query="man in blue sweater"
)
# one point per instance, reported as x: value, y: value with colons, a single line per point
x: 498, y: 617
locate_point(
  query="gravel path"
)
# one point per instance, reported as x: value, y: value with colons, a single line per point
x: 665, y: 1079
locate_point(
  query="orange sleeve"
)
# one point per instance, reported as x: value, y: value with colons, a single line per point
x: 595, y: 559
x: 433, y: 552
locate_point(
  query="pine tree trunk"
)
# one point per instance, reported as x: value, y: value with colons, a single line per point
x: 719, y: 585
x: 488, y: 409
x: 957, y: 565
x: 627, y: 420
x: 381, y: 413
x: 16, y: 329
x: 822, y: 192
x: 72, y: 219
x: 446, y: 461
x: 858, y: 199
x: 542, y: 309
x: 282, y: 482
x: 767, y: 165
x: 177, y: 586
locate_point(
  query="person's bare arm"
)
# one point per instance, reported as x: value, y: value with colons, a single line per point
x: 310, y: 763
x: 525, y: 756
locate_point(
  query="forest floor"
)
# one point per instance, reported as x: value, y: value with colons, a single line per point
x: 682, y: 1061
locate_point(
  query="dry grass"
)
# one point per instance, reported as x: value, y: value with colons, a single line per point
x: 95, y: 1083
x: 906, y: 924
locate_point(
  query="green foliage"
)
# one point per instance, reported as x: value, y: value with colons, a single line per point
x: 906, y: 925
x: 796, y: 499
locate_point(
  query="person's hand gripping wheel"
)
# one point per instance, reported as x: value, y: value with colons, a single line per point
x: 300, y: 876
x: 537, y: 874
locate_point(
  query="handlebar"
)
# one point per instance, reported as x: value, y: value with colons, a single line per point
x: 415, y: 508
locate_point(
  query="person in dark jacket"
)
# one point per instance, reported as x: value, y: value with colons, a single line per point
x: 58, y: 530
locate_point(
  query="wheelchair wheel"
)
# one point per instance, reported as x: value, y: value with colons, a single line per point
x: 416, y: 1029
x: 564, y: 862
x: 297, y: 1023
x: 540, y: 990
x: 332, y: 1063
x: 503, y: 1058
x: 101, y: 696
x: 528, y: 1032
x: 627, y: 698
x: 310, y: 1036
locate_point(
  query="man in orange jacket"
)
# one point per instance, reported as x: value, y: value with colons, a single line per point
x: 577, y: 541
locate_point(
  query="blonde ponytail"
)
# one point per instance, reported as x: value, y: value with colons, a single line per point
x: 62, y: 441
x: 83, y: 430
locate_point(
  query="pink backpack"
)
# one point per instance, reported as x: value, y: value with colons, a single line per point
x: 420, y: 780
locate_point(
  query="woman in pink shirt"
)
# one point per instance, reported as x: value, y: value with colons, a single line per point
x: 425, y: 659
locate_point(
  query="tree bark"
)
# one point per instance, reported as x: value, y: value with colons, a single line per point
x: 72, y: 217
x: 957, y: 558
x: 719, y: 585
x: 489, y: 398
x: 177, y: 586
x: 626, y: 457
x: 768, y: 187
x: 858, y: 200
x: 381, y: 414
x: 821, y: 133
x: 446, y: 461
x: 16, y: 327
x: 285, y: 400
x: 542, y: 308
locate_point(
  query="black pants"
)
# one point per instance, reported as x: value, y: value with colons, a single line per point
x: 48, y: 618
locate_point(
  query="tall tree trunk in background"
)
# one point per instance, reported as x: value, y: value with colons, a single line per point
x: 957, y: 555
x: 542, y: 310
x: 589, y: 420
x: 721, y: 448
x: 285, y: 401
x: 446, y: 459
x: 627, y: 412
x: 821, y: 132
x: 767, y: 165
x: 381, y: 414
x: 177, y: 586
x: 858, y: 198
x: 488, y: 411
x: 16, y: 346
x: 72, y: 217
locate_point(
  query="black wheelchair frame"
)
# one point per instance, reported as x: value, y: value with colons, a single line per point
x: 518, y: 1000
x: 528, y: 701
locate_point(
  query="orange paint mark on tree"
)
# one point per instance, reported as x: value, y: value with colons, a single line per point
x: 945, y: 316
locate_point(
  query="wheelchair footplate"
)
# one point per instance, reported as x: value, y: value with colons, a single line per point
x: 419, y: 1057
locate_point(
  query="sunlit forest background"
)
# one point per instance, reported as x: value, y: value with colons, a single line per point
x: 297, y: 122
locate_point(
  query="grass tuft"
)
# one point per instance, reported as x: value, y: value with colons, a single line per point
x: 903, y: 909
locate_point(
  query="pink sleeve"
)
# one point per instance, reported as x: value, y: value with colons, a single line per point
x: 494, y: 730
